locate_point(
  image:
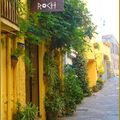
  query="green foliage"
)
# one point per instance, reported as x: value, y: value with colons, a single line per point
x: 63, y: 29
x: 54, y: 103
x: 53, y: 100
x: 3, y: 40
x: 17, y: 52
x: 73, y: 93
x: 80, y: 66
x: 99, y: 85
x: 50, y: 67
x: 95, y: 89
x: 28, y: 63
x: 20, y: 7
x: 28, y: 112
x: 19, y: 114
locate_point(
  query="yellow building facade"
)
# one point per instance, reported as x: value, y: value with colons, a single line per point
x: 91, y: 65
x: 98, y: 57
x: 14, y: 79
x: 102, y: 54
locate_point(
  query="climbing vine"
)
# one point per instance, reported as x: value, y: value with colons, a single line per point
x: 66, y: 30
x: 53, y: 101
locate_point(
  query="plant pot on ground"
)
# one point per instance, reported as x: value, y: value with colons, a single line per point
x: 51, y: 115
x: 14, y: 60
x: 95, y: 89
x: 54, y: 106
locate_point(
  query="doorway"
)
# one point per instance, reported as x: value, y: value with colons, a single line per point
x: 32, y: 78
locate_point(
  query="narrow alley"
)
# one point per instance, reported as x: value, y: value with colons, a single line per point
x: 102, y: 105
x: 59, y: 59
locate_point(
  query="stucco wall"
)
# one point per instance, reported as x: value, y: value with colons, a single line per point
x: 92, y: 73
x: 12, y: 80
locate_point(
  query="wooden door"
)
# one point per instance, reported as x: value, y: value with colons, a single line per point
x: 32, y: 78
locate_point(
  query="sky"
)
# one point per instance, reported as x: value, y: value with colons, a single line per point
x: 107, y: 12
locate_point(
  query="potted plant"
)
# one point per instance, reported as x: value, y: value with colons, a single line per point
x: 53, y: 101
x: 14, y: 57
x: 14, y: 60
x: 54, y: 106
x: 28, y: 112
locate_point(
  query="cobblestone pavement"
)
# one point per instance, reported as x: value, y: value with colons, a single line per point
x: 102, y: 105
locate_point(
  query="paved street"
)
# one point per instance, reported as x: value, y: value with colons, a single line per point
x: 103, y: 105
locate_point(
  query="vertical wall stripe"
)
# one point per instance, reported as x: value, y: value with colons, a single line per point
x: 8, y: 57
x: 41, y: 82
x: 14, y: 79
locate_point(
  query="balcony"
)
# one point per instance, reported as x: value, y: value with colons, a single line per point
x: 9, y: 17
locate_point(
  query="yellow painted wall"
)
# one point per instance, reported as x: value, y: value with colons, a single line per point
x: 92, y: 73
x: 91, y: 65
x: 102, y: 51
x: 41, y: 81
x: 95, y: 58
x: 13, y: 80
x: 89, y: 52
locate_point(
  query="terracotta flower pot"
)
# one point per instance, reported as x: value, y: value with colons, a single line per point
x: 52, y: 116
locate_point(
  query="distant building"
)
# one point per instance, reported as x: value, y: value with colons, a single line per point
x: 68, y: 58
x: 91, y: 63
x: 114, y: 49
x: 103, y: 59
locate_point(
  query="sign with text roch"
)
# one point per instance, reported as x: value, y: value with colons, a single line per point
x: 47, y: 5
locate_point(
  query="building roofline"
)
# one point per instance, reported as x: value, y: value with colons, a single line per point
x: 109, y: 36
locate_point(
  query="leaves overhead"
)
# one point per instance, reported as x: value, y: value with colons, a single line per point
x: 63, y: 29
